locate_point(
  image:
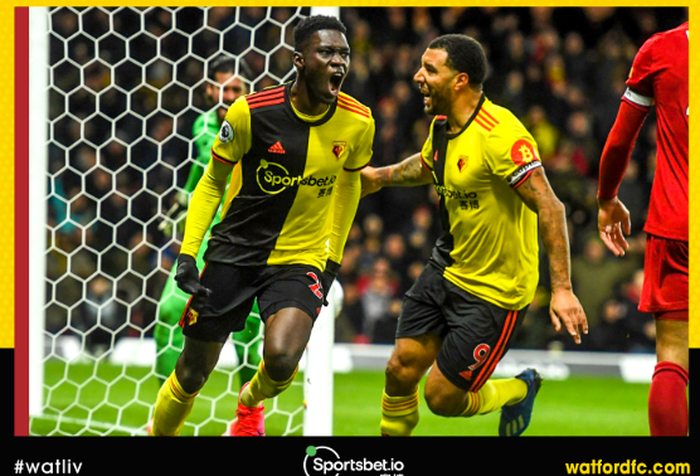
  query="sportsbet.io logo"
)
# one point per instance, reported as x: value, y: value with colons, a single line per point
x: 274, y: 178
x: 323, y: 460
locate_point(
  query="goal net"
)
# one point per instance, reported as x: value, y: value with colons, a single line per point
x: 120, y: 89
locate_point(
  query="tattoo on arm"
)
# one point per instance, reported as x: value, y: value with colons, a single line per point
x: 409, y: 172
x: 539, y: 197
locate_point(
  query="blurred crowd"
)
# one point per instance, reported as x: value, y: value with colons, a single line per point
x: 127, y: 87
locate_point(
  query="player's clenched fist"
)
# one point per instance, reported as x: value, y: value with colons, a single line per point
x: 187, y: 276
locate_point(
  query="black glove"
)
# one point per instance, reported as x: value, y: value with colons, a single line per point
x: 187, y: 276
x: 327, y: 278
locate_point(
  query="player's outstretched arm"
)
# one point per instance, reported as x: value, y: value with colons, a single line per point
x: 613, y: 216
x: 565, y: 308
x: 407, y: 173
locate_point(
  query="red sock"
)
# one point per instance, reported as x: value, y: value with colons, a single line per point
x: 668, y: 402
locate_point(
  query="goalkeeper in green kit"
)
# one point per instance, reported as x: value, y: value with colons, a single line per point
x: 222, y: 90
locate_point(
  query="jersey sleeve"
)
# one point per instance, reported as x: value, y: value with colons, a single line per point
x: 234, y: 137
x: 512, y: 154
x: 618, y: 149
x: 363, y: 152
x: 426, y: 152
x: 204, y: 205
x: 640, y: 83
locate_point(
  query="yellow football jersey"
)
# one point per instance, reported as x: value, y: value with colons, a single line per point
x: 490, y: 242
x: 278, y: 205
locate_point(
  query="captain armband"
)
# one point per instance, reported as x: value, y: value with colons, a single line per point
x: 522, y: 173
x: 638, y: 99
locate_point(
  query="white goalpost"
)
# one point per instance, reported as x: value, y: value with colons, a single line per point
x: 113, y: 94
x: 38, y: 153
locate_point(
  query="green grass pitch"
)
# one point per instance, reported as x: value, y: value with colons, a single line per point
x: 88, y: 400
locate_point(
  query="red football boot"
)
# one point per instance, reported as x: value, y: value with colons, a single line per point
x: 249, y: 421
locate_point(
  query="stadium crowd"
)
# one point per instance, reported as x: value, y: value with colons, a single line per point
x: 121, y: 117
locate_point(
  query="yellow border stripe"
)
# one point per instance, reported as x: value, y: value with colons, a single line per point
x: 7, y: 189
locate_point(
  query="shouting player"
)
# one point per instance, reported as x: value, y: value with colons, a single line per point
x: 460, y: 316
x: 296, y: 150
x: 658, y: 79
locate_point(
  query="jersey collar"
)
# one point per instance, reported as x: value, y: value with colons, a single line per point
x: 288, y: 104
x: 471, y: 119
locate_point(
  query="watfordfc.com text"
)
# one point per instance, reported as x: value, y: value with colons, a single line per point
x: 631, y: 467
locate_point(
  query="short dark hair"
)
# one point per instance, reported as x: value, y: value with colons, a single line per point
x: 227, y: 64
x: 310, y: 25
x: 221, y: 64
x: 465, y: 55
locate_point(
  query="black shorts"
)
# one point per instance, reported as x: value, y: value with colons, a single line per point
x: 476, y: 333
x: 234, y: 290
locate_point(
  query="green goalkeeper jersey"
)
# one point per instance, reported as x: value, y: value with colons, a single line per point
x: 204, y: 131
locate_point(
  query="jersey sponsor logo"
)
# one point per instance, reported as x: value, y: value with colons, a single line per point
x: 522, y: 152
x: 339, y: 148
x: 226, y: 132
x: 443, y: 191
x: 274, y: 178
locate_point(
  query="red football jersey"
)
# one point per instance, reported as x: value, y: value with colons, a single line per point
x: 659, y: 78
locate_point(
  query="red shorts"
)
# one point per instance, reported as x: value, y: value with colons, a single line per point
x: 665, y: 277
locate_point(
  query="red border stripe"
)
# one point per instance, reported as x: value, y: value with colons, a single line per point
x: 266, y: 92
x: 522, y: 180
x: 425, y: 163
x: 351, y: 109
x: 221, y: 159
x: 357, y: 169
x: 21, y: 351
x: 487, y: 114
x: 258, y: 98
x: 267, y: 103
x: 497, y: 352
x: 353, y: 101
x: 486, y: 120
x: 479, y: 121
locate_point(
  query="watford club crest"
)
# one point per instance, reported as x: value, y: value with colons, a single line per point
x: 462, y: 162
x: 192, y: 316
x: 338, y: 148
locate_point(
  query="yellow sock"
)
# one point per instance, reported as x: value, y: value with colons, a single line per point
x: 495, y: 394
x: 399, y: 414
x: 263, y: 387
x: 173, y: 406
